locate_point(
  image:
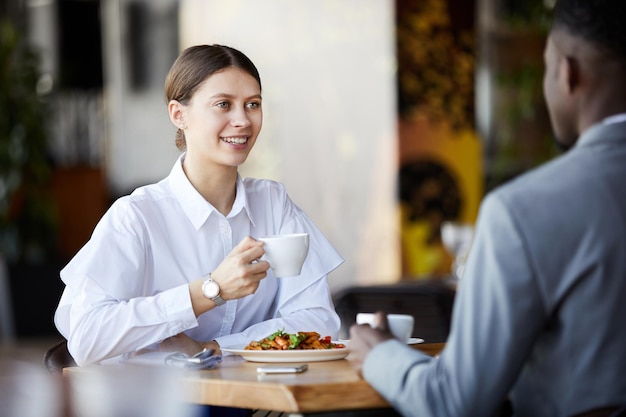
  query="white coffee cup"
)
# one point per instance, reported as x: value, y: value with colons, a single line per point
x: 286, y: 253
x: 400, y: 325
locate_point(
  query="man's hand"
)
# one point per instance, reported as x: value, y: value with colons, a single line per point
x: 364, y: 337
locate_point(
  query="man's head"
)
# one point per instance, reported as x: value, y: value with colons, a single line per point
x: 585, y: 56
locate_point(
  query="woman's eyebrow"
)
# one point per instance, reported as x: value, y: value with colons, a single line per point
x: 226, y: 95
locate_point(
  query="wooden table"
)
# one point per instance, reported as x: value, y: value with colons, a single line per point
x: 325, y: 386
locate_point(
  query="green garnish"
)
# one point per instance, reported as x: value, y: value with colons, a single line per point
x: 295, y: 340
x: 278, y: 333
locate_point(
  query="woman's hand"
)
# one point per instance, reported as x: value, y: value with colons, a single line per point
x: 241, y: 271
x: 238, y: 275
x: 185, y: 344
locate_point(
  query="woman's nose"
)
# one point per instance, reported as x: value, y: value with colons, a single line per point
x: 240, y: 118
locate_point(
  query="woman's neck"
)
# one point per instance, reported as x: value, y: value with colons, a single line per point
x: 218, y: 185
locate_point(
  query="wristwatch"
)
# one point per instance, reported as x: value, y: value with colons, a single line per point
x: 211, y: 290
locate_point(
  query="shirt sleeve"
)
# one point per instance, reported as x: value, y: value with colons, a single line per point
x: 497, y: 315
x: 108, y: 307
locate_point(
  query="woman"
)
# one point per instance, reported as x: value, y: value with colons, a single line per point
x: 174, y: 266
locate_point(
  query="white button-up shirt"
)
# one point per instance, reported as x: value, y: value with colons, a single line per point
x: 127, y: 288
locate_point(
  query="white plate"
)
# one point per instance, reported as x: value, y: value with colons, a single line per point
x: 304, y: 355
x: 411, y: 341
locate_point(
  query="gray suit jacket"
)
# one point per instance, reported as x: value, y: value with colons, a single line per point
x: 541, y: 309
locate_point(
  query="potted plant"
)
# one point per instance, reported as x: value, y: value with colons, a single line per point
x: 27, y: 220
x: 27, y: 210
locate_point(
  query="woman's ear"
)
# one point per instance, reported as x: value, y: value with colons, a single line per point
x: 177, y: 114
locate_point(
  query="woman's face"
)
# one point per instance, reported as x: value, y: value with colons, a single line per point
x: 223, y: 118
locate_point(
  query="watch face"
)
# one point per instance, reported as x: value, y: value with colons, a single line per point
x: 210, y: 289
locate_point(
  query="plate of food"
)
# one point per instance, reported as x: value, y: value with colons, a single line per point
x: 291, y: 347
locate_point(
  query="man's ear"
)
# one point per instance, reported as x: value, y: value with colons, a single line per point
x: 570, y: 74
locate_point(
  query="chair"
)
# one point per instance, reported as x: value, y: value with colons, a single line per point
x: 428, y: 301
x: 58, y: 357
x: 613, y: 411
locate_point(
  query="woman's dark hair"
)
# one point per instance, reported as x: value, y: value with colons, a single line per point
x: 597, y: 21
x: 194, y: 65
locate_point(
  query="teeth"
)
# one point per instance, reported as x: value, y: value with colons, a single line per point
x: 236, y: 141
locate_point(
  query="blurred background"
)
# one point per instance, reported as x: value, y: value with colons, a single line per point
x: 384, y: 118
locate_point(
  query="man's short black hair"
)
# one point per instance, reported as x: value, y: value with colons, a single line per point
x: 598, y: 21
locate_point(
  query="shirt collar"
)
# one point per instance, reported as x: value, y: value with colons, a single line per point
x: 194, y: 205
x: 615, y: 119
x: 611, y: 130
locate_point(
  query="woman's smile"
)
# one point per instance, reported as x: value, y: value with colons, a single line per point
x: 235, y: 140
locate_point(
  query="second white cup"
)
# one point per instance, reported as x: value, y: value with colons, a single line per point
x: 286, y: 253
x: 400, y: 325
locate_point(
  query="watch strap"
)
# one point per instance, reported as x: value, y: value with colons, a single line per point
x: 218, y: 300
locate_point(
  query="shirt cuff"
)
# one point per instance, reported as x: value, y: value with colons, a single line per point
x: 179, y: 310
x: 386, y: 366
x: 232, y: 340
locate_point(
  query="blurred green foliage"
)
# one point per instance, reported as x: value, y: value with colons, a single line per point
x: 27, y: 215
x: 523, y: 135
x: 524, y: 13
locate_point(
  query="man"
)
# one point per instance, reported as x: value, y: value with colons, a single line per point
x: 539, y: 316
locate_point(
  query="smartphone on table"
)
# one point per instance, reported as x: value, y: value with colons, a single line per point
x: 282, y: 369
